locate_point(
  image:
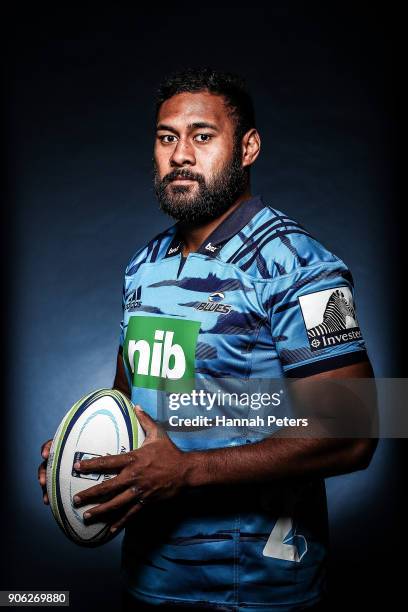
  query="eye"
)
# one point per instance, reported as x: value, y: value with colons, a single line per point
x: 207, y: 136
x: 161, y: 138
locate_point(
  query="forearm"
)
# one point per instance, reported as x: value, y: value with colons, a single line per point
x: 120, y: 383
x: 274, y: 458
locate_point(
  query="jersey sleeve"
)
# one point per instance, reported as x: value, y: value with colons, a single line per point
x: 313, y: 320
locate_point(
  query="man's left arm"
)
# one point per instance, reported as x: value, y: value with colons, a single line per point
x: 316, y: 453
x: 159, y: 469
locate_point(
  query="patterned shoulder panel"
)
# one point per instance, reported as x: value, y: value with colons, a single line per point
x: 272, y: 245
x: 150, y: 252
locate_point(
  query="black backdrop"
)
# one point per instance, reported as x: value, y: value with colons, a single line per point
x: 78, y: 202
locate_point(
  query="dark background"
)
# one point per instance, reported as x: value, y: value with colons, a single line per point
x: 78, y: 120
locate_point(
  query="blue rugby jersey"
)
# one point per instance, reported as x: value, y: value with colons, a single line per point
x: 260, y: 299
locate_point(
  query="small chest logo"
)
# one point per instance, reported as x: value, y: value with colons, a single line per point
x: 213, y: 304
x: 133, y: 300
x: 218, y: 296
x: 210, y: 247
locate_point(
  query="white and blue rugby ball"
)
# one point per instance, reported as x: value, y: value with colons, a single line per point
x: 100, y: 423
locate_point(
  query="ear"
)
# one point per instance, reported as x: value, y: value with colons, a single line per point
x: 251, y: 147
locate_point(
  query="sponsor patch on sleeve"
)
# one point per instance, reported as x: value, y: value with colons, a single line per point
x: 329, y: 317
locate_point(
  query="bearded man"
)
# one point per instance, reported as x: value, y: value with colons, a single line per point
x: 235, y: 289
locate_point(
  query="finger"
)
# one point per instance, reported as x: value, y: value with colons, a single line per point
x: 42, y: 473
x: 45, y: 449
x: 100, y: 492
x: 119, y: 524
x: 110, y: 463
x: 42, y: 477
x: 112, y: 505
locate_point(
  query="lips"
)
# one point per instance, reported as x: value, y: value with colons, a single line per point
x: 181, y: 179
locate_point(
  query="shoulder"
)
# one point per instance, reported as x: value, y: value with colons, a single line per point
x: 275, y: 245
x: 150, y: 251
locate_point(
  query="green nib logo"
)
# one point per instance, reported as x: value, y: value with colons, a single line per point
x: 160, y: 352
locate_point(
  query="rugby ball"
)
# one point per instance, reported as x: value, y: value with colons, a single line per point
x: 100, y: 423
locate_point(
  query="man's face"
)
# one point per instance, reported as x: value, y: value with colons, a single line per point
x: 198, y: 173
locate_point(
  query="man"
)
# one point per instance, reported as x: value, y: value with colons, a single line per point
x: 235, y: 290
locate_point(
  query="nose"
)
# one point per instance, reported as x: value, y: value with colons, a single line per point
x: 182, y: 154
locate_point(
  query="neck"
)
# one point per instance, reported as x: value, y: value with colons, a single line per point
x: 194, y: 235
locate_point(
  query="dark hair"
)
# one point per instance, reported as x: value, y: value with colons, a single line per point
x: 231, y: 86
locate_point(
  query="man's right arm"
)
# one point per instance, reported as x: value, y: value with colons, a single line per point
x: 121, y: 383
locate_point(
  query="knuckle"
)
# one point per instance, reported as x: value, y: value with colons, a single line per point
x: 103, y: 462
x: 102, y: 491
x: 46, y: 446
x: 92, y: 491
x: 132, y: 476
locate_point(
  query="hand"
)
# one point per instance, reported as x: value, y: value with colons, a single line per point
x: 155, y: 471
x: 42, y: 470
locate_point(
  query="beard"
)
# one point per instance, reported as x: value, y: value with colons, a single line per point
x: 199, y: 204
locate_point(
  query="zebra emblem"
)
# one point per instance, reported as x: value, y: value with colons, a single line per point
x: 334, y: 316
x: 335, y: 311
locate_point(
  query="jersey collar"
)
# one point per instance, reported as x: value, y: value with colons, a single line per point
x: 231, y: 225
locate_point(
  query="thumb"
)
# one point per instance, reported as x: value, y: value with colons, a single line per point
x: 145, y: 420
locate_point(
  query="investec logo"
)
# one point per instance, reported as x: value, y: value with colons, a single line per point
x: 335, y: 339
x: 330, y: 317
x: 160, y: 352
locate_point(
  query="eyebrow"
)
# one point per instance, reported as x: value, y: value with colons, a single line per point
x: 190, y: 126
